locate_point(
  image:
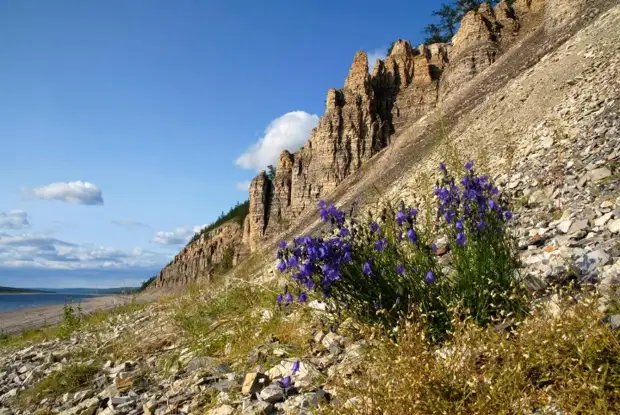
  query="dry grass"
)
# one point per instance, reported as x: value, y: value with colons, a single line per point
x: 235, y: 322
x: 571, y: 362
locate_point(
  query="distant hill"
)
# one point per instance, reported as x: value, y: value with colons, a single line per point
x: 11, y: 290
x: 93, y: 291
x: 118, y: 290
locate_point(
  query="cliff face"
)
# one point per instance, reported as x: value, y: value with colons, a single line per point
x: 221, y: 247
x: 363, y: 117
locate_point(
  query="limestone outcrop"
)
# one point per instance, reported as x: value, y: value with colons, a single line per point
x: 372, y: 109
x: 220, y: 248
x: 369, y: 113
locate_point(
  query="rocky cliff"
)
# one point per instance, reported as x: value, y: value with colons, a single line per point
x: 216, y: 250
x: 372, y: 109
x: 365, y: 116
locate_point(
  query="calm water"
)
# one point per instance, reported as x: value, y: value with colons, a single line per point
x: 11, y: 302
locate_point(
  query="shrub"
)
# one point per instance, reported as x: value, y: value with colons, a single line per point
x: 71, y: 320
x: 384, y: 268
x: 238, y: 213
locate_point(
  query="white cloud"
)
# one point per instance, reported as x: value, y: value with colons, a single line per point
x: 43, y: 252
x: 179, y: 236
x: 78, y: 193
x: 243, y: 186
x: 288, y: 132
x: 380, y: 53
x: 15, y: 219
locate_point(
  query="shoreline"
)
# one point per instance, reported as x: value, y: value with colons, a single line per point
x: 15, y: 321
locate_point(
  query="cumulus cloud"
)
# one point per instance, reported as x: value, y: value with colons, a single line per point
x: 130, y: 224
x: 179, y: 236
x: 43, y: 252
x: 243, y: 186
x: 288, y: 132
x: 15, y: 219
x: 380, y: 53
x: 78, y: 193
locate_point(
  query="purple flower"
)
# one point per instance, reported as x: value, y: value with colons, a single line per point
x: 460, y: 239
x: 307, y: 269
x: 367, y: 268
x: 413, y: 212
x: 322, y: 204
x: 286, y: 382
x: 279, y: 298
x: 288, y: 298
x: 281, y: 266
x: 459, y: 225
x: 399, y: 236
x: 293, y: 262
x: 282, y: 245
x: 344, y: 232
x: 430, y: 278
x: 508, y: 215
x: 347, y: 257
x: 400, y: 269
x: 412, y: 236
x: 401, y: 217
x: 492, y: 204
x: 295, y: 367
x: 303, y: 297
x: 434, y: 248
x: 374, y: 227
x: 324, y: 215
x: 442, y: 167
x: 381, y: 244
x: 469, y: 165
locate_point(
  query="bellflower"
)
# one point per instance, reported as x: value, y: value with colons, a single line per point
x: 460, y: 239
x: 286, y: 382
x: 295, y: 368
x: 412, y: 236
x: 374, y: 227
x: 279, y: 298
x: 400, y: 269
x: 281, y: 266
x: 401, y: 217
x: 288, y: 298
x: 380, y: 245
x: 293, y: 262
x: 282, y: 245
x: 303, y: 297
x: 430, y: 278
x: 367, y: 268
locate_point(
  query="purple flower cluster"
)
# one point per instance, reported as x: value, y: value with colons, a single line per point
x: 315, y: 263
x: 471, y: 207
x: 406, y: 217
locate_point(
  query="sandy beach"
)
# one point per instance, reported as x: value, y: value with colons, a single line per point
x: 35, y: 317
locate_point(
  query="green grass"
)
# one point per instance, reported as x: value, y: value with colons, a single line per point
x: 229, y: 325
x: 72, y: 378
x: 72, y: 321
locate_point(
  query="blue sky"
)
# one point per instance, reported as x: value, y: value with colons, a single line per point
x: 125, y: 125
